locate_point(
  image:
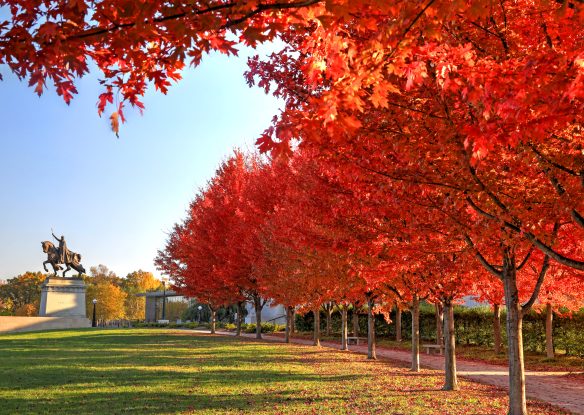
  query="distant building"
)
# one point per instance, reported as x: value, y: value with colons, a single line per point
x: 271, y: 313
x: 154, y: 301
x: 471, y: 302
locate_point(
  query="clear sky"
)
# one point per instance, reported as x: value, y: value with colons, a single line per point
x: 113, y: 199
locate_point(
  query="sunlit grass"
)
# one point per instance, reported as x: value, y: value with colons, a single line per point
x: 166, y: 372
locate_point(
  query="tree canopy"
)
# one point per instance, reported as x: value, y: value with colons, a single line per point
x: 425, y: 149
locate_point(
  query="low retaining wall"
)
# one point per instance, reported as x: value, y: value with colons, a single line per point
x: 10, y: 324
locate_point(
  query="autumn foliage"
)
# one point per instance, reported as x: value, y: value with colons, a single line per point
x: 426, y: 149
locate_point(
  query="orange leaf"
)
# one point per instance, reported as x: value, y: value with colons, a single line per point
x: 115, y: 123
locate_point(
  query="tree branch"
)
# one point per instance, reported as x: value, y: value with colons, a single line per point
x: 482, y: 259
x: 522, y: 264
x: 547, y: 250
x: 527, y: 306
x: 96, y: 31
x: 553, y: 163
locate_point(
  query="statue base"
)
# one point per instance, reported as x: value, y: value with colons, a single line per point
x: 63, y: 297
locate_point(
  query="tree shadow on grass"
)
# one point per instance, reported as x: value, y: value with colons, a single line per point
x: 155, y: 402
x: 153, y: 372
x: 147, y: 373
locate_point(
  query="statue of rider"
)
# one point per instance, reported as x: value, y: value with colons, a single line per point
x: 62, y: 250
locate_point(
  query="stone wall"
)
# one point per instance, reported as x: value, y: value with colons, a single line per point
x: 9, y: 324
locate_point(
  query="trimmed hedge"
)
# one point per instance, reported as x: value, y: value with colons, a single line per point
x: 474, y: 326
x: 246, y: 328
x: 266, y: 327
x: 218, y: 325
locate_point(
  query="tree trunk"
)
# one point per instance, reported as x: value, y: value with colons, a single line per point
x: 439, y: 313
x: 355, y: 322
x: 316, y: 327
x: 415, y: 334
x: 239, y: 317
x: 293, y: 323
x: 398, y: 324
x: 517, y: 403
x: 451, y: 381
x: 213, y: 318
x: 329, y: 312
x: 370, y: 330
x: 258, y: 310
x: 497, y: 328
x: 344, y: 328
x: 288, y: 324
x: 549, y: 339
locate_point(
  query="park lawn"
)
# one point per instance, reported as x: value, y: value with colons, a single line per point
x: 160, y: 371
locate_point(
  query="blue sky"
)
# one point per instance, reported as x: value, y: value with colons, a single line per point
x: 116, y: 199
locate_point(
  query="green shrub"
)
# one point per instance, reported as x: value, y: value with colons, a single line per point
x: 266, y: 327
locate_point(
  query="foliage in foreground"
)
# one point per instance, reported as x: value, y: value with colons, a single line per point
x: 165, y: 372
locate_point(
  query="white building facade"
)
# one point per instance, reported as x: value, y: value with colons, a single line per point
x: 271, y: 313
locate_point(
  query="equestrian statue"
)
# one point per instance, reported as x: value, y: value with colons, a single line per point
x: 57, y: 256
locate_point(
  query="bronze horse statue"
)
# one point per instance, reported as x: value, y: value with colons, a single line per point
x: 72, y: 260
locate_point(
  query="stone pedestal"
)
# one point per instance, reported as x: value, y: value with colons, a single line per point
x: 63, y: 297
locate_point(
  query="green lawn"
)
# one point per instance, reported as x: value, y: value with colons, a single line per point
x: 148, y: 371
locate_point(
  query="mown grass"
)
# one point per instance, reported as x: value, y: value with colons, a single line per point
x: 158, y: 371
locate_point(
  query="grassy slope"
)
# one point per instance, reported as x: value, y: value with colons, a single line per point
x: 164, y: 372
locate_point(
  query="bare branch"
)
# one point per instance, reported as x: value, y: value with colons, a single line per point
x: 482, y: 259
x: 522, y: 264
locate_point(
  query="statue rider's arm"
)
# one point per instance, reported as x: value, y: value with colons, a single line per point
x: 58, y: 239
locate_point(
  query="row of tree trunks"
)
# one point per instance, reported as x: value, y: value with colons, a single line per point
x: 517, y: 402
x: 514, y: 324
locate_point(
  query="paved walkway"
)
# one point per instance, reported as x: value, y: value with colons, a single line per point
x: 545, y: 386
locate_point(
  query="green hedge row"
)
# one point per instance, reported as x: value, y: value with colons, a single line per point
x: 474, y: 326
x: 266, y: 327
x: 179, y: 325
x: 246, y: 328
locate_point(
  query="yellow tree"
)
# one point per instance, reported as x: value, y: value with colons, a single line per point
x: 134, y: 283
x: 21, y: 295
x: 110, y: 300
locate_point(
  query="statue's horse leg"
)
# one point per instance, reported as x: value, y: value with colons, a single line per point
x: 56, y: 268
x: 45, y: 265
x: 68, y: 269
